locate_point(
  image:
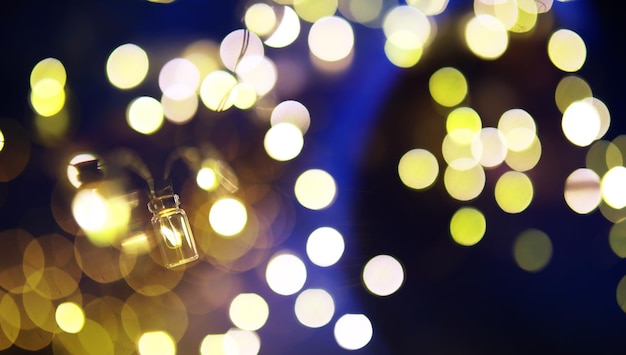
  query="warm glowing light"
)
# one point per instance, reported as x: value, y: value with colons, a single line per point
x: 179, y: 111
x: 518, y: 128
x: 582, y: 191
x: 526, y: 159
x: 603, y: 114
x: 314, y: 307
x: 567, y: 50
x: 489, y: 147
x: 429, y: 7
x: 331, y: 39
x: 313, y: 10
x: 613, y: 188
x: 216, y: 90
x: 570, y: 89
x: 47, y: 97
x: 248, y: 311
x: 262, y: 77
x: 325, y: 246
x: 315, y: 189
x: 212, y: 344
x: 228, y: 216
x: 179, y: 79
x: 72, y: 172
x: 283, y: 141
x: 285, y: 274
x: 102, y: 219
x: 463, y: 124
x: 400, y: 56
x: 260, y: 18
x: 1, y: 140
x: 464, y: 185
x: 532, y: 250
x: 356, y: 12
x: 157, y: 342
x: 514, y: 191
x: 145, y: 115
x: 70, y: 317
x: 418, y: 168
x: 459, y: 152
x: 581, y: 123
x: 468, y: 226
x: 287, y: 30
x: 486, y: 37
x: 353, y: 331
x: 448, y: 86
x: 617, y: 238
x: 48, y: 68
x: 241, y: 342
x: 127, y: 66
x: 241, y: 51
x: 407, y: 27
x: 206, y: 178
x: 245, y: 94
x: 383, y: 275
x: 293, y: 112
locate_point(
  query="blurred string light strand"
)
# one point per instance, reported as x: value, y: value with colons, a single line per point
x: 42, y: 304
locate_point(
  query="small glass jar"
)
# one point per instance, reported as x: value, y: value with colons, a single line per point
x: 171, y: 229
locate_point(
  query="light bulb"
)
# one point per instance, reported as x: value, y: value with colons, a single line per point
x: 171, y: 229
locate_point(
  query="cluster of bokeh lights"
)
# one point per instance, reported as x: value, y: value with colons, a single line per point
x: 41, y: 303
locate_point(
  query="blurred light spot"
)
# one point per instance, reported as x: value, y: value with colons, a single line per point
x: 315, y: 189
x: 526, y: 17
x: 313, y: 10
x: 331, y: 39
x: 127, y: 66
x: 458, y: 153
x: 464, y: 185
x: 489, y: 147
x: 613, y: 187
x: 569, y: 90
x: 532, y: 250
x: 418, y: 168
x: 179, y: 79
x: 262, y: 77
x: 179, y: 111
x: 617, y: 238
x: 462, y: 124
x: 602, y: 156
x: 325, y: 246
x: 1, y: 140
x: 514, y: 192
x: 10, y: 320
x: 581, y: 123
x: 156, y: 342
x: 355, y: 11
x: 544, y: 6
x: 145, y: 115
x: 353, y: 331
x: 216, y: 90
x: 429, y: 7
x: 241, y: 342
x: 54, y: 130
x: 206, y: 178
x: 228, y: 216
x: 582, y: 191
x: 204, y: 54
x: 448, y: 86
x: 505, y: 11
x: 285, y: 274
x: 293, y: 112
x: 72, y: 172
x: 383, y: 275
x: 468, y: 226
x: 486, y: 37
x: 102, y: 218
x: 283, y: 141
x: 70, y: 317
x: 241, y: 51
x: 47, y: 97
x: 407, y: 27
x: 248, y: 311
x: 245, y: 95
x: 50, y: 69
x: 260, y: 18
x: 518, y: 128
x: 314, y: 307
x: 287, y: 30
x: 620, y: 294
x: 603, y: 114
x: 567, y: 50
x: 212, y: 344
x: 399, y: 55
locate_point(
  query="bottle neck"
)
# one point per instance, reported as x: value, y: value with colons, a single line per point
x: 161, y: 204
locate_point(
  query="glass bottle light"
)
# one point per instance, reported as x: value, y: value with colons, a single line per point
x: 171, y: 229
